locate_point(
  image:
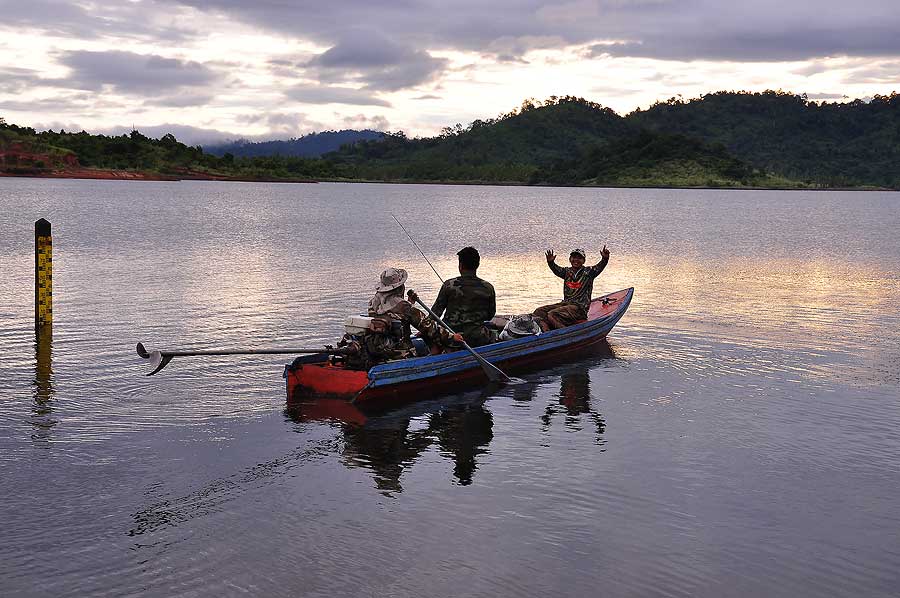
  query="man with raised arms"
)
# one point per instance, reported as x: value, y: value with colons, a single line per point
x: 578, y: 284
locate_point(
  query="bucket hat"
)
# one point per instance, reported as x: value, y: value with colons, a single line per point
x: 519, y: 326
x: 391, y: 279
x: 578, y: 251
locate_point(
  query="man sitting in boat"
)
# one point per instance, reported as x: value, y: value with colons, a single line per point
x: 469, y: 301
x: 392, y: 316
x: 577, y: 287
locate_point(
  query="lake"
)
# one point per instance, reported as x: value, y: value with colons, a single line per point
x: 739, y: 435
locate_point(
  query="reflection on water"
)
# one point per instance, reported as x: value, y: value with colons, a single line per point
x: 388, y: 443
x: 41, y: 409
x: 458, y: 427
x: 752, y: 439
x: 574, y: 402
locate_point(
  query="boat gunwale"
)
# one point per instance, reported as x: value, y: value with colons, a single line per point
x: 438, y: 365
x: 435, y: 367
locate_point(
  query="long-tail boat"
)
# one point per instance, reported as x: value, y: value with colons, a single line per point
x: 319, y: 375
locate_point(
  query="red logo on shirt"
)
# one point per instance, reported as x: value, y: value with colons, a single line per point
x: 573, y: 285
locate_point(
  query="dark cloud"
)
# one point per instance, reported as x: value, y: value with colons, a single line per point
x: 130, y: 73
x: 14, y: 80
x: 758, y: 46
x: 83, y: 103
x: 427, y: 96
x: 324, y: 94
x: 93, y: 20
x: 180, y: 100
x: 377, y: 62
x: 662, y: 29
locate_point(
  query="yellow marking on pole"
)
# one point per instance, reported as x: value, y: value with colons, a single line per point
x: 43, y: 274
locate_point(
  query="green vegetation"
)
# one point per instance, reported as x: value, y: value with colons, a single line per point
x: 650, y: 159
x: 829, y: 144
x: 137, y: 153
x: 733, y: 139
x: 509, y: 148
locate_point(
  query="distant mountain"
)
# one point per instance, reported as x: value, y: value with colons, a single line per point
x: 835, y: 144
x: 308, y: 146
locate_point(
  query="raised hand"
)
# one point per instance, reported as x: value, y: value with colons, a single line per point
x: 604, y: 252
x: 551, y: 257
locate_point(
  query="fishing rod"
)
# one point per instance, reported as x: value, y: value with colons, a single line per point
x: 417, y: 247
x: 493, y: 373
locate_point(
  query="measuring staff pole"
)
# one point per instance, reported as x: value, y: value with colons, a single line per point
x: 43, y: 276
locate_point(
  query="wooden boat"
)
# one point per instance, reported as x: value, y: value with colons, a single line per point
x: 395, y: 381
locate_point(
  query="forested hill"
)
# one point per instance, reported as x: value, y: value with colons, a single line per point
x: 770, y: 139
x: 308, y: 146
x: 508, y: 148
x: 835, y: 144
x: 650, y: 159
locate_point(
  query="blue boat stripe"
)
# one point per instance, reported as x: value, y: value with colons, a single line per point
x: 423, y: 368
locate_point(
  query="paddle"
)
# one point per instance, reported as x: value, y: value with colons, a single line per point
x: 493, y: 373
x: 160, y: 359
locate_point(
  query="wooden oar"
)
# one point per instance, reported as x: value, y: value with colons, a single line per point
x: 160, y: 359
x: 493, y: 373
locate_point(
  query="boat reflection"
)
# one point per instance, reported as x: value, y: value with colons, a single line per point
x: 458, y: 427
x: 387, y: 444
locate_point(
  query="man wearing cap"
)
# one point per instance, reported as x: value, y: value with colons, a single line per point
x: 468, y: 300
x: 577, y: 287
x: 388, y: 306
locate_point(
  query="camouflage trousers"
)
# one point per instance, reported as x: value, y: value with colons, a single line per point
x: 477, y: 336
x: 563, y: 313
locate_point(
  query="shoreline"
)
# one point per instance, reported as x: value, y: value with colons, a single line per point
x: 127, y: 175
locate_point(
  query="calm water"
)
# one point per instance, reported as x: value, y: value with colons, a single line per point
x: 739, y: 435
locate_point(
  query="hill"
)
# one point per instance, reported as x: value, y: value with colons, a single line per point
x: 509, y: 148
x: 308, y: 146
x: 650, y: 159
x: 26, y: 152
x: 833, y: 144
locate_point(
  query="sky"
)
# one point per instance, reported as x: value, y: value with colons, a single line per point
x: 215, y: 70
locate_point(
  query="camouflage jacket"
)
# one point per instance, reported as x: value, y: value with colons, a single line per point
x: 579, y: 282
x: 468, y: 300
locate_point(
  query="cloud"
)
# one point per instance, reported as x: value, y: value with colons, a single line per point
x: 130, y: 73
x: 361, y: 121
x: 879, y: 73
x: 324, y: 94
x: 763, y: 30
x: 284, y: 124
x: 827, y: 96
x: 184, y: 133
x: 14, y: 80
x: 187, y: 100
x: 94, y: 20
x: 379, y: 63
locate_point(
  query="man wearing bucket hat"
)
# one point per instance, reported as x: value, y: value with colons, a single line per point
x: 577, y: 287
x: 389, y: 306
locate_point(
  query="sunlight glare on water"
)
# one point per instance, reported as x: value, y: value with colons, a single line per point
x: 738, y: 435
